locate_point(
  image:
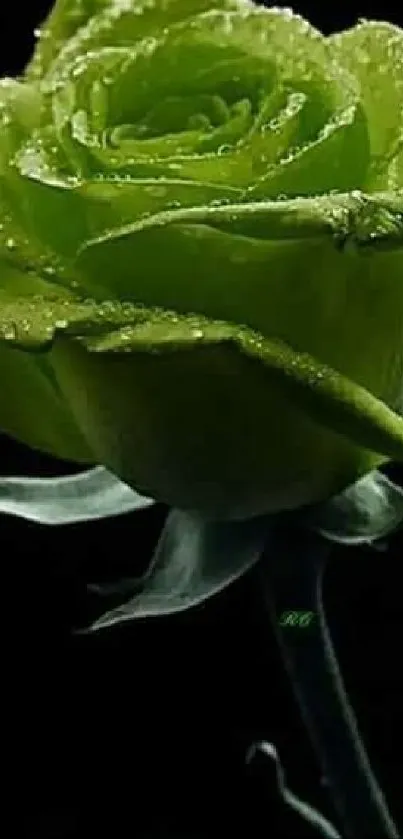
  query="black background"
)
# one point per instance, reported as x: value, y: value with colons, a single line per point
x: 142, y: 731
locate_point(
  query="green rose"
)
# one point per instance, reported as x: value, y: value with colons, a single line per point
x: 201, y: 250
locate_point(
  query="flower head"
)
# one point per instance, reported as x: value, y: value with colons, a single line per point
x: 201, y: 250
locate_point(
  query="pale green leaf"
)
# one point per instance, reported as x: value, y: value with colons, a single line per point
x: 193, y: 561
x: 368, y: 510
x: 87, y: 496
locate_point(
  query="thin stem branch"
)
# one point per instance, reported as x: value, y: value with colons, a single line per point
x: 291, y: 577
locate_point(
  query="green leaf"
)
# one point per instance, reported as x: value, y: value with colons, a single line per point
x: 88, y: 496
x: 193, y: 561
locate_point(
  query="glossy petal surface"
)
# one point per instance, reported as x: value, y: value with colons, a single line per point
x: 226, y: 182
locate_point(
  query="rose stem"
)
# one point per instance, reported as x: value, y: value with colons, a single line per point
x: 291, y: 577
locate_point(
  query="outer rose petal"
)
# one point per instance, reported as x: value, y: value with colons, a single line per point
x: 77, y: 25
x: 233, y: 420
x: 203, y: 414
x: 208, y: 430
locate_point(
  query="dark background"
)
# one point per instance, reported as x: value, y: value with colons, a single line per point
x: 142, y: 731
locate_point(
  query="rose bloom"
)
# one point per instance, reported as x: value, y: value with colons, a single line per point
x: 201, y: 250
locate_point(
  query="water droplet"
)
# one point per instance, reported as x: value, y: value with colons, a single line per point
x: 11, y: 244
x: 10, y: 332
x: 197, y: 333
x: 61, y: 324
